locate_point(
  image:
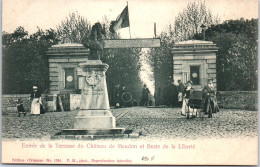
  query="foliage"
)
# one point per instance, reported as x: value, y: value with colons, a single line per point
x: 188, y: 22
x: 74, y: 28
x: 24, y: 60
x: 237, y: 55
x: 123, y: 64
x: 186, y: 25
x: 161, y: 59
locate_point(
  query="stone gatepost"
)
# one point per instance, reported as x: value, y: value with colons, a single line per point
x: 63, y: 62
x: 194, y: 60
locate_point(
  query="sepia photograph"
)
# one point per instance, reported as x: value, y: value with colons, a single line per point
x: 115, y: 82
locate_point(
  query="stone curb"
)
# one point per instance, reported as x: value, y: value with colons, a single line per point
x: 88, y: 137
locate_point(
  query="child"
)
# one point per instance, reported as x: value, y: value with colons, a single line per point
x: 20, y: 108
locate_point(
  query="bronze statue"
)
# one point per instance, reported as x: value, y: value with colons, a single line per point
x: 95, y: 42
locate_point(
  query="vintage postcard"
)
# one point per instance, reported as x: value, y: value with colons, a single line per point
x: 170, y: 82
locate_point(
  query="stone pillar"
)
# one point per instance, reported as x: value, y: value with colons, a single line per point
x: 94, y: 105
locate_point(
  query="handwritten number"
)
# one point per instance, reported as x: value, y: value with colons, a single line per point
x: 144, y: 158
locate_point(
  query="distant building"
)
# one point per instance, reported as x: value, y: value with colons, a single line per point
x: 194, y: 60
x: 63, y: 62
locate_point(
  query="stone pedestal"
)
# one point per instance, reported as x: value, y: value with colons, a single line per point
x: 94, y: 118
x: 94, y: 105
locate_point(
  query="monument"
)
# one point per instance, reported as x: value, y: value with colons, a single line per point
x: 94, y: 105
x: 94, y: 117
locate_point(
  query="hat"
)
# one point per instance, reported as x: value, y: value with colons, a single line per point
x: 210, y: 78
x: 190, y: 82
x: 35, y: 87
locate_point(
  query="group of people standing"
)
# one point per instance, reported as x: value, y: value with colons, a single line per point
x: 172, y: 94
x: 118, y: 97
x: 209, y: 100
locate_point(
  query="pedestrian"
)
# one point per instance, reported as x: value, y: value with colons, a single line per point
x: 158, y: 97
x: 36, y: 101
x: 173, y: 94
x: 122, y: 91
x: 134, y: 102
x: 186, y: 95
x: 166, y: 95
x: 180, y: 88
x: 114, y: 95
x: 20, y: 108
x: 42, y: 111
x: 209, y: 98
x: 145, y: 93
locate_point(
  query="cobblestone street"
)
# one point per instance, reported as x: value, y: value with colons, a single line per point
x: 149, y: 122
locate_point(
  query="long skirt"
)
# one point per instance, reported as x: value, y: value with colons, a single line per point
x: 187, y: 109
x: 184, y: 106
x: 35, y: 107
x: 210, y: 102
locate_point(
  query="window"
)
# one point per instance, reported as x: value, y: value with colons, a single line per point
x: 69, y: 78
x: 195, y: 74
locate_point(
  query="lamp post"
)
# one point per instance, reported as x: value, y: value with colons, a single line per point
x: 203, y: 31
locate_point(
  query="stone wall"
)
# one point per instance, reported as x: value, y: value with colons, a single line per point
x: 69, y: 102
x: 238, y: 99
x: 226, y: 99
x: 9, y: 102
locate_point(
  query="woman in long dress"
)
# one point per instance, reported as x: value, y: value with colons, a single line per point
x: 186, y: 95
x: 210, y: 100
x: 36, y: 101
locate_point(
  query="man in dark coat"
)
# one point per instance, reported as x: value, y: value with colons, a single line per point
x: 145, y: 93
x: 173, y: 91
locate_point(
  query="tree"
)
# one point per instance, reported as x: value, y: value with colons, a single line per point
x: 189, y: 21
x: 75, y: 28
x: 124, y: 66
x: 237, y: 54
x: 123, y: 63
x: 161, y: 61
x: 186, y: 25
x: 24, y: 60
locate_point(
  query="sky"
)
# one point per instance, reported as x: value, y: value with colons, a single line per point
x: 46, y: 14
x: 49, y: 13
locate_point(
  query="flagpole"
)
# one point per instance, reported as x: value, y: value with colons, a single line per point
x: 128, y: 20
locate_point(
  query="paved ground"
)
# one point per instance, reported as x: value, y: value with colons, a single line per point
x: 152, y: 122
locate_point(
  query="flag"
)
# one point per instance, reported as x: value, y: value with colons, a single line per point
x: 122, y: 21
